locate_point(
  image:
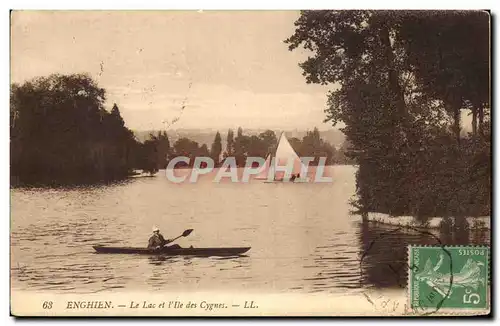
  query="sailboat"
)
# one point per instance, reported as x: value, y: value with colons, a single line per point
x: 284, y: 154
x: 264, y: 173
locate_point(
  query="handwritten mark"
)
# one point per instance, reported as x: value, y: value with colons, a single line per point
x: 183, y: 106
x: 368, y: 298
x: 102, y: 68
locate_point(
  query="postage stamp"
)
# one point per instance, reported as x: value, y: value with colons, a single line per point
x: 453, y: 278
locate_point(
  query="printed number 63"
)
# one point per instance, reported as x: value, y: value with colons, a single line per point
x: 468, y: 298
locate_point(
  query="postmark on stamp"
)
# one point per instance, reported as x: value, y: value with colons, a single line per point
x: 448, y: 278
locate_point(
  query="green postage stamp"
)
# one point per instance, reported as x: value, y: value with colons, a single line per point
x: 448, y: 278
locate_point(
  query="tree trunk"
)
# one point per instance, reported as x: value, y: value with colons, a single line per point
x: 454, y: 107
x: 400, y: 143
x: 396, y: 88
x: 481, y: 121
x: 456, y: 122
x: 474, y: 122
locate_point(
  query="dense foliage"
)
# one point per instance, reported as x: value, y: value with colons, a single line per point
x: 60, y: 131
x: 402, y: 80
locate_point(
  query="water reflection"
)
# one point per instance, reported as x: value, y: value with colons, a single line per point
x: 335, y: 265
x: 480, y: 236
x: 188, y: 271
x: 159, y: 260
x: 384, y: 260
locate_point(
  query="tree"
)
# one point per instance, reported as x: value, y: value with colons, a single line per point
x: 448, y: 53
x: 203, y: 151
x: 153, y: 153
x: 216, y: 149
x: 296, y: 145
x: 398, y: 83
x: 241, y: 146
x: 256, y: 147
x: 230, y: 143
x: 189, y: 148
x: 163, y: 149
x: 186, y: 147
x: 116, y: 117
x: 148, y: 155
x: 61, y: 132
x: 269, y: 141
x: 313, y: 146
x: 344, y: 155
x: 353, y: 49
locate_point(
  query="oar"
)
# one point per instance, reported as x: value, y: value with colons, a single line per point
x: 184, y: 234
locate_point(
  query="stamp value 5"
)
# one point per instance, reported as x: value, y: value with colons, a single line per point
x: 448, y: 278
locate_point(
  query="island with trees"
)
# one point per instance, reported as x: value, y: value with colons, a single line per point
x: 61, y: 133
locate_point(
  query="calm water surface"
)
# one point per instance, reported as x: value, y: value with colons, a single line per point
x: 303, y: 237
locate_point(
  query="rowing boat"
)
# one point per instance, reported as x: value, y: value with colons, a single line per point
x: 203, y: 252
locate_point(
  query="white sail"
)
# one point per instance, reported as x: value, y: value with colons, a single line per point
x: 263, y: 174
x: 284, y: 154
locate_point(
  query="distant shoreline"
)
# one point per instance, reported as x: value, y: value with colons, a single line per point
x: 77, y: 182
x: 241, y: 167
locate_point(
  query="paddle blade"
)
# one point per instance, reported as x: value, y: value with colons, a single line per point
x: 187, y: 232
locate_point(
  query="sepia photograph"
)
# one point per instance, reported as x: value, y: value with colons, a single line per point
x: 243, y: 163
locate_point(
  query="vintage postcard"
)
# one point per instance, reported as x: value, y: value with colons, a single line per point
x: 250, y: 163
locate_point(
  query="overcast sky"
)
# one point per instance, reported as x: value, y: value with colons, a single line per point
x: 240, y: 71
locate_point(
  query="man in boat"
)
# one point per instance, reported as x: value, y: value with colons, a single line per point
x: 157, y: 241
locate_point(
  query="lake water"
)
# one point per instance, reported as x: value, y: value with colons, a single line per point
x: 303, y: 237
